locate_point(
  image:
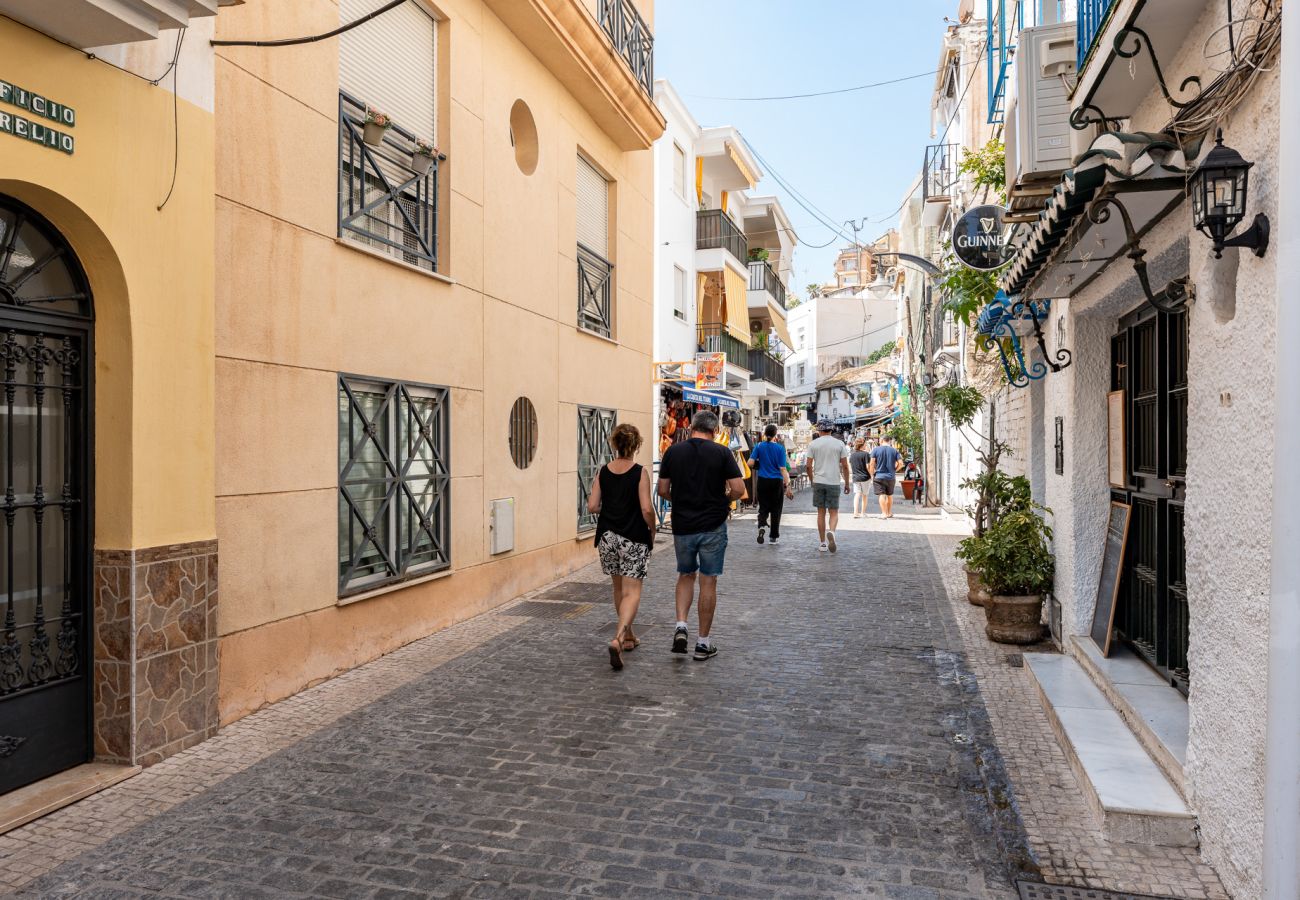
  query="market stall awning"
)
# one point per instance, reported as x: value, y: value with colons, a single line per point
x: 708, y: 398
x: 1064, y: 249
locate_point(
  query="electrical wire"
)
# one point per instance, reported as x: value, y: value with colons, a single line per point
x: 92, y: 57
x: 175, y: 69
x: 290, y: 42
x: 847, y: 90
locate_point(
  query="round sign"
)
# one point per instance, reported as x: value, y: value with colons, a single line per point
x: 978, y: 238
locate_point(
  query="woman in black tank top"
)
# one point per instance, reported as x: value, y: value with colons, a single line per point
x: 620, y: 493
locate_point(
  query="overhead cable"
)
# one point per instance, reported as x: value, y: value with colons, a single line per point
x: 289, y: 42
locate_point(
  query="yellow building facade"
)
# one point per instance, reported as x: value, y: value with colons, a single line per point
x: 367, y: 376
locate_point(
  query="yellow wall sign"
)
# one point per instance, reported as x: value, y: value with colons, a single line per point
x: 30, y: 129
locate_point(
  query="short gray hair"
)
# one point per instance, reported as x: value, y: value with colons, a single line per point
x: 705, y: 421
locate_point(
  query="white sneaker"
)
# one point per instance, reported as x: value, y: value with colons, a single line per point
x: 774, y: 541
x: 830, y: 540
x: 823, y: 547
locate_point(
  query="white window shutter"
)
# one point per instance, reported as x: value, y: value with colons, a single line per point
x: 593, y: 208
x: 388, y: 63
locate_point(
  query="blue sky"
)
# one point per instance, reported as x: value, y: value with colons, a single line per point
x: 853, y: 154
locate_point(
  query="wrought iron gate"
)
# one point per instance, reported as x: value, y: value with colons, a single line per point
x: 1149, y: 363
x: 45, y: 348
x: 594, y: 428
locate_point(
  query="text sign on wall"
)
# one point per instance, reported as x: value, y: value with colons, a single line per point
x: 33, y: 129
x: 979, y: 239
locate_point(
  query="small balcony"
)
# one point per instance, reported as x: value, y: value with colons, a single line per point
x: 938, y: 176
x: 763, y: 366
x: 714, y: 230
x: 713, y: 337
x: 764, y: 285
x: 1092, y: 20
x: 631, y: 37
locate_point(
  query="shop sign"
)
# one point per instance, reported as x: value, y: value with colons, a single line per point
x: 979, y: 238
x: 710, y: 371
x: 30, y: 128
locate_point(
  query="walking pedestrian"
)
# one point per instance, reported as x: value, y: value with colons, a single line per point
x: 620, y: 493
x: 859, y: 462
x: 828, y: 463
x: 701, y: 478
x: 772, y: 483
x: 885, y: 463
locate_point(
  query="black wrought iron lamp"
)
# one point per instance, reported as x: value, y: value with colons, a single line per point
x: 1219, y: 192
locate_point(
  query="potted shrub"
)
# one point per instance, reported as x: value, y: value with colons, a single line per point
x: 759, y: 254
x: 376, y: 125
x: 1016, y: 565
x: 423, y: 157
x: 970, y: 551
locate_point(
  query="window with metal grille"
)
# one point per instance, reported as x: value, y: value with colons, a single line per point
x: 595, y: 272
x: 523, y: 432
x: 594, y: 428
x: 394, y: 482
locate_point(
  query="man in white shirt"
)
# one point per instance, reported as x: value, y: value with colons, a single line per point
x: 828, y: 467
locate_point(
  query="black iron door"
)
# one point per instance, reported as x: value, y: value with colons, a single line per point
x: 1149, y: 363
x: 45, y: 403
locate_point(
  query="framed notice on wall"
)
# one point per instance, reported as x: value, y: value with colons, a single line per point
x: 1116, y: 464
x: 1112, y: 566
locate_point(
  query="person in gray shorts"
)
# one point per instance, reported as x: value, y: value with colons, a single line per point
x: 828, y: 470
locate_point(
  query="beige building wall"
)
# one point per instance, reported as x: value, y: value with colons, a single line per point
x: 296, y: 306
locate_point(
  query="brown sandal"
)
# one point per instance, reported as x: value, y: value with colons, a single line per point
x: 631, y: 643
x: 616, y: 654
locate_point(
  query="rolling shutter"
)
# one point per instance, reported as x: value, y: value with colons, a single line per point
x: 593, y: 209
x: 388, y: 63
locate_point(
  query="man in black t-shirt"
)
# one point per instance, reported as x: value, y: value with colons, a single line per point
x: 701, y: 479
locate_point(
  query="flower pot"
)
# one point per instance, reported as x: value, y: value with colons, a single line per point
x: 420, y: 163
x: 1014, y: 620
x: 976, y: 593
x: 909, y: 488
x: 374, y: 134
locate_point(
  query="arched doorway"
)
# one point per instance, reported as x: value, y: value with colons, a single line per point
x: 46, y: 317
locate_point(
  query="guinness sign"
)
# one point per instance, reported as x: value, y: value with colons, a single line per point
x: 979, y: 240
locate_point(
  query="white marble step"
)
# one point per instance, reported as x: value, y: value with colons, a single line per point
x: 1153, y: 708
x: 1133, y: 800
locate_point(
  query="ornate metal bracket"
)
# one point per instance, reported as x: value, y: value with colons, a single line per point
x: 1081, y: 119
x: 1057, y: 361
x: 1173, y: 297
x: 1141, y: 38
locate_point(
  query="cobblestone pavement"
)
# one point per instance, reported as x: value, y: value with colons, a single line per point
x: 836, y: 746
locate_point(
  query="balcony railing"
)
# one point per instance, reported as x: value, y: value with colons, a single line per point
x: 766, y: 367
x: 594, y: 276
x: 1092, y: 21
x: 1005, y: 19
x: 940, y: 170
x: 715, y: 338
x: 714, y: 229
x: 762, y: 278
x: 631, y: 37
x: 385, y: 201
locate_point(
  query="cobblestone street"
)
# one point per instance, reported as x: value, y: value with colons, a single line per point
x: 830, y: 749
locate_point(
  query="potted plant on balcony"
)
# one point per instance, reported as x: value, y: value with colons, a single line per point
x: 375, y: 126
x: 759, y: 254
x: 1016, y: 564
x: 423, y: 157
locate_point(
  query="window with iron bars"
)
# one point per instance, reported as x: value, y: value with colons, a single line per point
x: 595, y: 425
x: 388, y: 197
x: 394, y: 482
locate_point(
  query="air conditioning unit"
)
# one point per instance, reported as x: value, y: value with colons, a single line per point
x: 757, y: 326
x: 1038, y: 133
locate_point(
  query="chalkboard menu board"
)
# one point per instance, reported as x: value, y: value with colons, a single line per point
x: 1112, y: 562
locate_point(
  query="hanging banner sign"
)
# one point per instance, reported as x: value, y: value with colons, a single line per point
x: 32, y: 129
x: 709, y: 371
x: 979, y: 238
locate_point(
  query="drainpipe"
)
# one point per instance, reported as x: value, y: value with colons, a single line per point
x: 1282, y: 751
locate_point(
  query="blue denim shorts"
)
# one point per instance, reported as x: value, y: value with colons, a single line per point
x: 701, y: 552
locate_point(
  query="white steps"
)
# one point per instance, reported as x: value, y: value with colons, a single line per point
x: 1133, y: 800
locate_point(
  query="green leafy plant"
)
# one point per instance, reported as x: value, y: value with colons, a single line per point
x: 967, y: 290
x: 987, y: 167
x: 908, y: 433
x: 791, y: 301
x: 759, y: 254
x: 960, y: 403
x: 880, y: 353
x: 1014, y: 558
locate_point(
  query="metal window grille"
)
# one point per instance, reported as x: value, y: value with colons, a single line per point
x: 594, y: 428
x: 632, y: 39
x: 394, y: 482
x: 595, y: 277
x: 940, y: 172
x: 523, y: 432
x: 383, y: 201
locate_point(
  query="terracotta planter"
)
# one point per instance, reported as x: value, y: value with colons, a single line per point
x: 1014, y: 620
x: 373, y: 134
x: 976, y: 593
x: 909, y: 488
x: 420, y: 163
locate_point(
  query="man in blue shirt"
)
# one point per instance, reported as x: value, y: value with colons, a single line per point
x: 885, y: 462
x: 771, y: 483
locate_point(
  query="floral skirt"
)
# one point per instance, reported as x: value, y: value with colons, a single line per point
x: 619, y: 556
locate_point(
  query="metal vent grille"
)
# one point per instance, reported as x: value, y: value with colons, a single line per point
x: 523, y: 432
x: 1035, y: 890
x: 537, y: 609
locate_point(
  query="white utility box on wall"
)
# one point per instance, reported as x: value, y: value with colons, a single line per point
x: 501, y: 525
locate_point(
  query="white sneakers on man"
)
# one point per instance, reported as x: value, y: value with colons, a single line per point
x: 822, y: 547
x: 830, y: 541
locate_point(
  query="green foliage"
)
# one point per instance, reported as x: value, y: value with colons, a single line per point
x: 814, y: 290
x: 791, y: 301
x: 960, y: 403
x: 998, y: 493
x: 987, y: 167
x: 1013, y: 555
x: 967, y: 290
x: 758, y: 254
x: 881, y: 353
x: 908, y: 433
